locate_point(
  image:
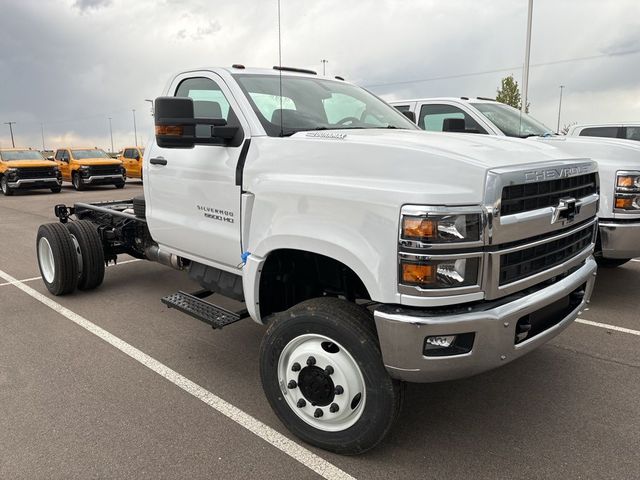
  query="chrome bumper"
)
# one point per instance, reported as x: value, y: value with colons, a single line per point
x: 103, y: 178
x: 29, y: 182
x: 620, y: 240
x: 402, y: 332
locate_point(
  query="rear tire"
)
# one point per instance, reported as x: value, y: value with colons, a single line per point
x: 90, y: 244
x: 77, y: 182
x: 57, y: 258
x: 7, y: 191
x: 348, y: 417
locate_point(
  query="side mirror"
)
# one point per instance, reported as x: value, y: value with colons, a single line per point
x: 410, y: 115
x: 50, y: 157
x: 454, y: 125
x: 176, y: 124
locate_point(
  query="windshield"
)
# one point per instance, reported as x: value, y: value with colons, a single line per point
x: 92, y: 153
x: 309, y: 103
x: 9, y: 156
x: 512, y: 122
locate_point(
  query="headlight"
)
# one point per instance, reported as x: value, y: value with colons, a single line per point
x: 442, y: 228
x: 627, y: 191
x: 84, y: 168
x: 433, y: 273
x: 12, y: 170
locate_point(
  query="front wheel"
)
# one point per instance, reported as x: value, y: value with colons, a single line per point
x: 119, y: 185
x: 6, y: 189
x: 57, y: 189
x: 322, y: 372
x: 77, y: 182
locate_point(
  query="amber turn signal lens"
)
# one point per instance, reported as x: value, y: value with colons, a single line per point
x: 625, y: 203
x: 413, y: 273
x: 627, y: 182
x: 169, y: 130
x: 418, y: 227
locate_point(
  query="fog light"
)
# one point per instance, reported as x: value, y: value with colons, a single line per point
x: 448, y: 345
x: 440, y: 342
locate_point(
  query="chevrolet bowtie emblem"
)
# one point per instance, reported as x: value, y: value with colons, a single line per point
x: 566, y: 210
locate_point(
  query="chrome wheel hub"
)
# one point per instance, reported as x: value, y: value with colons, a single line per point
x: 321, y: 382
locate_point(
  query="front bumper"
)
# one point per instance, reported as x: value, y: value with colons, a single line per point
x: 402, y: 331
x: 35, y: 183
x: 103, y: 179
x: 620, y: 239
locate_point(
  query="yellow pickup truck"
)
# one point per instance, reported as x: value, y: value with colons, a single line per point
x: 22, y: 168
x: 89, y: 166
x: 131, y: 158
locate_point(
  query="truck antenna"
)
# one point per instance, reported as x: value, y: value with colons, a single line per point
x: 280, y: 70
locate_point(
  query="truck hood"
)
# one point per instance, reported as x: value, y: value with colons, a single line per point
x: 391, y: 166
x: 30, y: 163
x: 98, y: 161
x: 608, y: 152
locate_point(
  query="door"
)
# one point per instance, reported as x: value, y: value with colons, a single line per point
x: 193, y: 204
x: 130, y: 163
x: 62, y: 159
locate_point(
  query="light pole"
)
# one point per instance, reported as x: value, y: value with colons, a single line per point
x: 135, y: 130
x: 13, y: 144
x: 151, y: 102
x: 559, y: 108
x: 42, y: 132
x: 527, y: 55
x: 111, y: 133
x: 324, y: 66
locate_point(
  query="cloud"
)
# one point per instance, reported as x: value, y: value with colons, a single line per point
x: 73, y: 72
x: 86, y: 5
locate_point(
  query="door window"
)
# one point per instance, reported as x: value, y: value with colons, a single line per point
x: 129, y: 153
x: 403, y: 108
x: 632, y: 133
x: 432, y: 118
x: 599, y: 132
x: 62, y: 155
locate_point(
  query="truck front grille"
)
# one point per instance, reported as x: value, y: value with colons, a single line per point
x: 524, y: 263
x: 532, y: 196
x: 36, y: 172
x: 104, y: 170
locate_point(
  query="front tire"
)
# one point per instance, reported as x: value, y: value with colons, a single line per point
x: 92, y: 253
x: 77, y: 182
x: 322, y: 372
x: 119, y: 185
x: 7, y: 191
x: 57, y: 258
x: 57, y: 189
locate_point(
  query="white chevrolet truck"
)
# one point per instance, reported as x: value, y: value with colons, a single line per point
x: 618, y: 162
x: 373, y: 252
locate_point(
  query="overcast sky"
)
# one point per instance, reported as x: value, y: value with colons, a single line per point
x: 71, y: 64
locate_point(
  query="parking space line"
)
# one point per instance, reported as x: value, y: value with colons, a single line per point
x: 39, y: 277
x: 635, y: 260
x: 608, y: 327
x: 296, y: 451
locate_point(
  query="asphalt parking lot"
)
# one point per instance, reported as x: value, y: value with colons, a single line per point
x: 73, y: 405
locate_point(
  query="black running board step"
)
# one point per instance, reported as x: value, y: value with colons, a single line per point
x: 204, y: 311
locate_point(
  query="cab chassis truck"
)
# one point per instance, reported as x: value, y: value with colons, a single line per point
x: 373, y: 252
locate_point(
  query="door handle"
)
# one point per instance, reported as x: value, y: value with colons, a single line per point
x: 158, y: 161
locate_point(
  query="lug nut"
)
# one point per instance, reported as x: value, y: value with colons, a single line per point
x: 301, y: 403
x: 334, y: 408
x: 292, y: 384
x: 338, y: 390
x: 318, y: 413
x: 311, y: 361
x: 295, y: 367
x: 328, y: 370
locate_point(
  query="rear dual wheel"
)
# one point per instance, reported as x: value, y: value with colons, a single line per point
x: 70, y: 256
x: 322, y: 372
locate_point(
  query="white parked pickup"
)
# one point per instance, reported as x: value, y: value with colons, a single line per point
x: 618, y: 161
